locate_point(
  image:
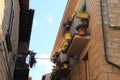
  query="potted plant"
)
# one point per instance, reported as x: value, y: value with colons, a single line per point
x: 81, y: 29
x: 54, y: 70
x: 63, y: 49
x: 67, y: 36
x: 65, y: 43
x: 66, y: 26
x: 32, y: 60
x: 83, y: 15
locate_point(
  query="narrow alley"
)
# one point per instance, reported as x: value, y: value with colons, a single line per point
x: 84, y: 45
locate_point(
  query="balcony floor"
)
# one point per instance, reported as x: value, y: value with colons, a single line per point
x: 78, y: 44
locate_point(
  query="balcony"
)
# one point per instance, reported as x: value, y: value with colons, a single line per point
x: 78, y: 44
x: 62, y: 68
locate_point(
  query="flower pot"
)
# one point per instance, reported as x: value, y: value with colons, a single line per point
x: 63, y: 48
x: 67, y: 36
x: 82, y: 15
x: 82, y: 31
x: 65, y: 43
x: 65, y: 66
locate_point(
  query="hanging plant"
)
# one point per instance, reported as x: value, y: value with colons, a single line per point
x: 32, y: 59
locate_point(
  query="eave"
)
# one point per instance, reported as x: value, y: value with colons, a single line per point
x: 26, y: 20
x: 24, y: 4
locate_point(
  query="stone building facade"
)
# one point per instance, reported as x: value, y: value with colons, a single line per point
x: 95, y: 55
x: 9, y: 26
x: 10, y: 35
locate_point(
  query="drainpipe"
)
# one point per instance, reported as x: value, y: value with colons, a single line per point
x: 104, y: 37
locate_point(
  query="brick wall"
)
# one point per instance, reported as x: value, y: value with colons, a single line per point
x: 96, y: 67
x: 92, y: 68
x: 96, y: 52
x: 112, y: 38
x: 112, y: 30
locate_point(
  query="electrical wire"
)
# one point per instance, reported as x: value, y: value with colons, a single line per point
x: 43, y: 58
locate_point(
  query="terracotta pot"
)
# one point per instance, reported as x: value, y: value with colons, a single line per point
x: 82, y: 31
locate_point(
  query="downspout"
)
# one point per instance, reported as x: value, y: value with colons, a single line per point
x: 104, y: 37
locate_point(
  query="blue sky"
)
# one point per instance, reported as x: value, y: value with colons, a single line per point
x: 47, y: 19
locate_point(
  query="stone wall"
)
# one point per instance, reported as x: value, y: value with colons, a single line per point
x: 7, y: 59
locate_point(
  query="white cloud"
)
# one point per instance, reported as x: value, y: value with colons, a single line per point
x: 43, y: 60
x: 50, y: 19
x: 35, y: 22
